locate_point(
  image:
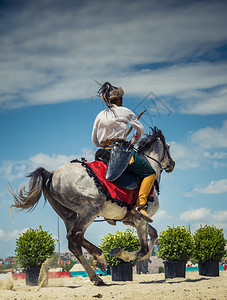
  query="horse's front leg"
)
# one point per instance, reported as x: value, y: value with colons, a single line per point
x: 142, y: 231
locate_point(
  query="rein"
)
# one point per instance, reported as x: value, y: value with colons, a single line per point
x: 160, y: 166
x: 159, y: 163
x: 158, y: 134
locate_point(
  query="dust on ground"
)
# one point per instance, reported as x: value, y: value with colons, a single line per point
x: 143, y: 287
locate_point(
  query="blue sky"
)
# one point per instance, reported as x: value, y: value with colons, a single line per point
x: 51, y: 51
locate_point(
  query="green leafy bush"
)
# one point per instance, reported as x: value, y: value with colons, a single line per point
x: 33, y: 247
x: 209, y: 244
x: 125, y: 240
x: 175, y: 244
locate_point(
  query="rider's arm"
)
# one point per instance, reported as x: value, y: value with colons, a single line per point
x: 94, y: 135
x: 132, y: 120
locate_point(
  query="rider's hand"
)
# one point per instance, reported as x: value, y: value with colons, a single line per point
x: 130, y: 145
x: 133, y: 140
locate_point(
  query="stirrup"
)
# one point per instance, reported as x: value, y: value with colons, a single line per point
x: 111, y: 221
x: 139, y: 215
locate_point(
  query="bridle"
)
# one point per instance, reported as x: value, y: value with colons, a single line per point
x: 158, y: 134
x: 159, y: 163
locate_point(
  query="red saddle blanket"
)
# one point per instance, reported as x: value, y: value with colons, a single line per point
x: 115, y: 192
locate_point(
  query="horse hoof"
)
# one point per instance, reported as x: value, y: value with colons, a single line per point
x: 115, y: 251
x: 102, y: 267
x: 100, y: 283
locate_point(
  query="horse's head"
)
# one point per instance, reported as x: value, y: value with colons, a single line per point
x: 154, y: 146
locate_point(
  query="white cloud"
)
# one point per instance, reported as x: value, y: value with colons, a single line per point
x: 201, y: 148
x: 10, y: 235
x: 162, y: 215
x: 204, y: 215
x: 49, y: 162
x: 53, y: 59
x: 220, y: 216
x: 12, y: 170
x: 201, y: 102
x: 184, y: 156
x: 216, y: 155
x: 193, y: 215
x: 215, y: 187
x: 208, y: 138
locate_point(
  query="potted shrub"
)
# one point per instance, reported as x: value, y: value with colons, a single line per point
x: 175, y: 247
x: 209, y: 249
x: 33, y: 247
x: 120, y: 270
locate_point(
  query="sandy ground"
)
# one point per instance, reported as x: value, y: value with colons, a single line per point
x: 143, y: 287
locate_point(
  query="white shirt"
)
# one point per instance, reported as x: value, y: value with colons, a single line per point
x: 112, y: 122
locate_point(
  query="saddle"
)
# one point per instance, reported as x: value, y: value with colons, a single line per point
x: 123, y: 191
x: 127, y: 180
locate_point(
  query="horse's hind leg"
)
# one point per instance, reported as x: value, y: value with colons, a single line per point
x: 69, y: 218
x: 77, y: 251
x: 76, y: 235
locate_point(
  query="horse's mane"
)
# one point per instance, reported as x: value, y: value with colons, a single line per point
x: 145, y: 143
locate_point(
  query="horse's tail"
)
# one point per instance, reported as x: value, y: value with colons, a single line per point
x: 38, y: 184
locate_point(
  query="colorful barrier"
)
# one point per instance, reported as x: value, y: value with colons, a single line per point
x: 68, y: 274
x: 17, y: 276
x: 221, y: 268
x: 84, y: 274
x: 64, y: 274
x: 59, y: 274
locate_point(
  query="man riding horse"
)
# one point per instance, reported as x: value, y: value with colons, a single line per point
x: 109, y: 132
x: 78, y: 197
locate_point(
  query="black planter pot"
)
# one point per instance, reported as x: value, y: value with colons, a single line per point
x: 208, y: 268
x: 122, y: 272
x: 174, y: 269
x: 32, y: 276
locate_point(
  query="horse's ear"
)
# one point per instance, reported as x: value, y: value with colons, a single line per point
x: 160, y: 134
x: 154, y: 130
x: 151, y: 130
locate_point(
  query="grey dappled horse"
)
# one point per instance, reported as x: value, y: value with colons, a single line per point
x: 73, y: 195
